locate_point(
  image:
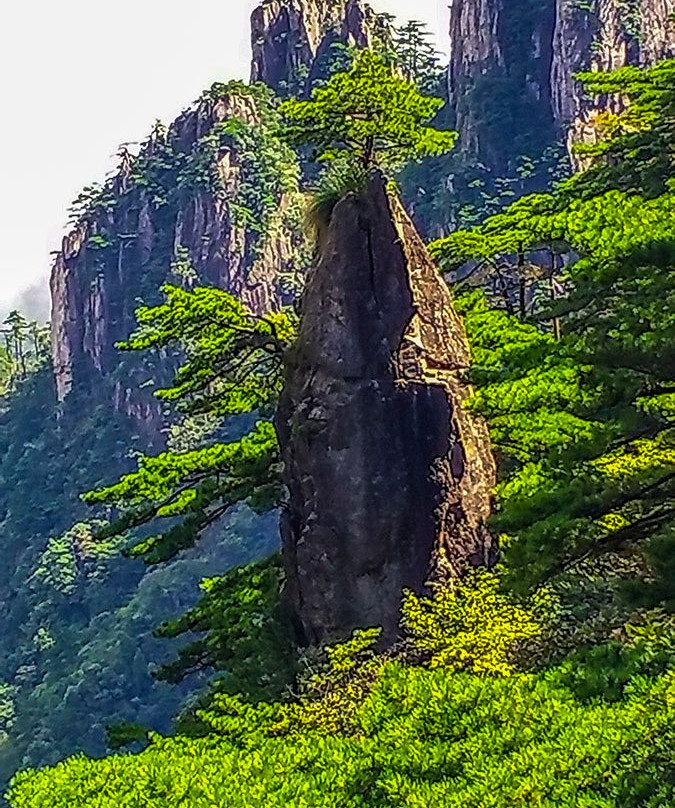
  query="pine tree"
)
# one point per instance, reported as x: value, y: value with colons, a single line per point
x: 369, y: 114
x: 416, y: 55
x: 231, y: 368
x: 585, y: 421
x: 16, y: 331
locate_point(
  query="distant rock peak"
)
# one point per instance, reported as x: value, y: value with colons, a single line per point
x: 512, y: 64
x: 160, y: 205
x: 287, y: 36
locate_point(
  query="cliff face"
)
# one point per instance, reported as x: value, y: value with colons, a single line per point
x: 605, y: 35
x: 389, y: 478
x: 513, y: 62
x: 498, y: 76
x: 178, y: 212
x: 289, y: 36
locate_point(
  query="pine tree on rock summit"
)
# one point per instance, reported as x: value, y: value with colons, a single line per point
x: 370, y: 115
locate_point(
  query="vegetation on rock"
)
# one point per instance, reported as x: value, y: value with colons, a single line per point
x: 582, y: 406
x: 548, y: 682
x: 370, y: 114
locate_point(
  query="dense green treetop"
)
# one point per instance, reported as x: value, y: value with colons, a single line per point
x: 636, y: 145
x: 416, y: 55
x: 451, y: 725
x: 369, y: 112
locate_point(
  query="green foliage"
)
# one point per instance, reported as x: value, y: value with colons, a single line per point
x: 7, y: 711
x: 369, y: 113
x: 468, y: 626
x: 339, y: 178
x: 635, y: 146
x: 417, y: 57
x: 425, y: 738
x: 245, y: 634
x: 26, y: 350
x: 71, y: 559
x: 76, y: 644
x: 269, y: 172
x: 413, y: 726
x: 232, y: 366
x: 232, y: 356
x: 126, y: 734
x: 580, y: 401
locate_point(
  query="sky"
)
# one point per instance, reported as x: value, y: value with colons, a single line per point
x: 79, y: 78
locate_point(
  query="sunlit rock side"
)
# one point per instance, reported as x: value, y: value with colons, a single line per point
x: 389, y: 477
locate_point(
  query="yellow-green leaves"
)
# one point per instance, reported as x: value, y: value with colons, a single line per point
x: 468, y: 626
x: 345, y: 656
x: 426, y: 738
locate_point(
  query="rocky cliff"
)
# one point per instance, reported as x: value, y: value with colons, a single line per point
x: 289, y: 37
x: 512, y: 65
x: 498, y: 77
x: 213, y: 199
x: 389, y: 477
x: 603, y: 35
x: 511, y: 71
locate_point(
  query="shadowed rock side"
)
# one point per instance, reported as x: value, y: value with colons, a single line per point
x: 389, y: 478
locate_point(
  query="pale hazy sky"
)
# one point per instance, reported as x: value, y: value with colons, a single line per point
x: 78, y: 78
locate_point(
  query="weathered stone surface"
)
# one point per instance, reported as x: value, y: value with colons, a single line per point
x: 289, y: 35
x: 389, y: 478
x: 529, y: 53
x: 606, y: 35
x: 95, y: 292
x: 498, y: 76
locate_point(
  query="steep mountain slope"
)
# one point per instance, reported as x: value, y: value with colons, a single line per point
x: 290, y: 39
x: 512, y: 62
x: 201, y: 201
x: 514, y: 100
x: 215, y: 195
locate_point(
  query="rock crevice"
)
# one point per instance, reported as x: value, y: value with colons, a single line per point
x: 389, y: 478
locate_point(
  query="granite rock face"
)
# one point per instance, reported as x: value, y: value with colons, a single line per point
x: 389, y: 477
x: 605, y: 35
x: 124, y: 250
x: 500, y: 56
x: 522, y: 55
x: 289, y: 36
